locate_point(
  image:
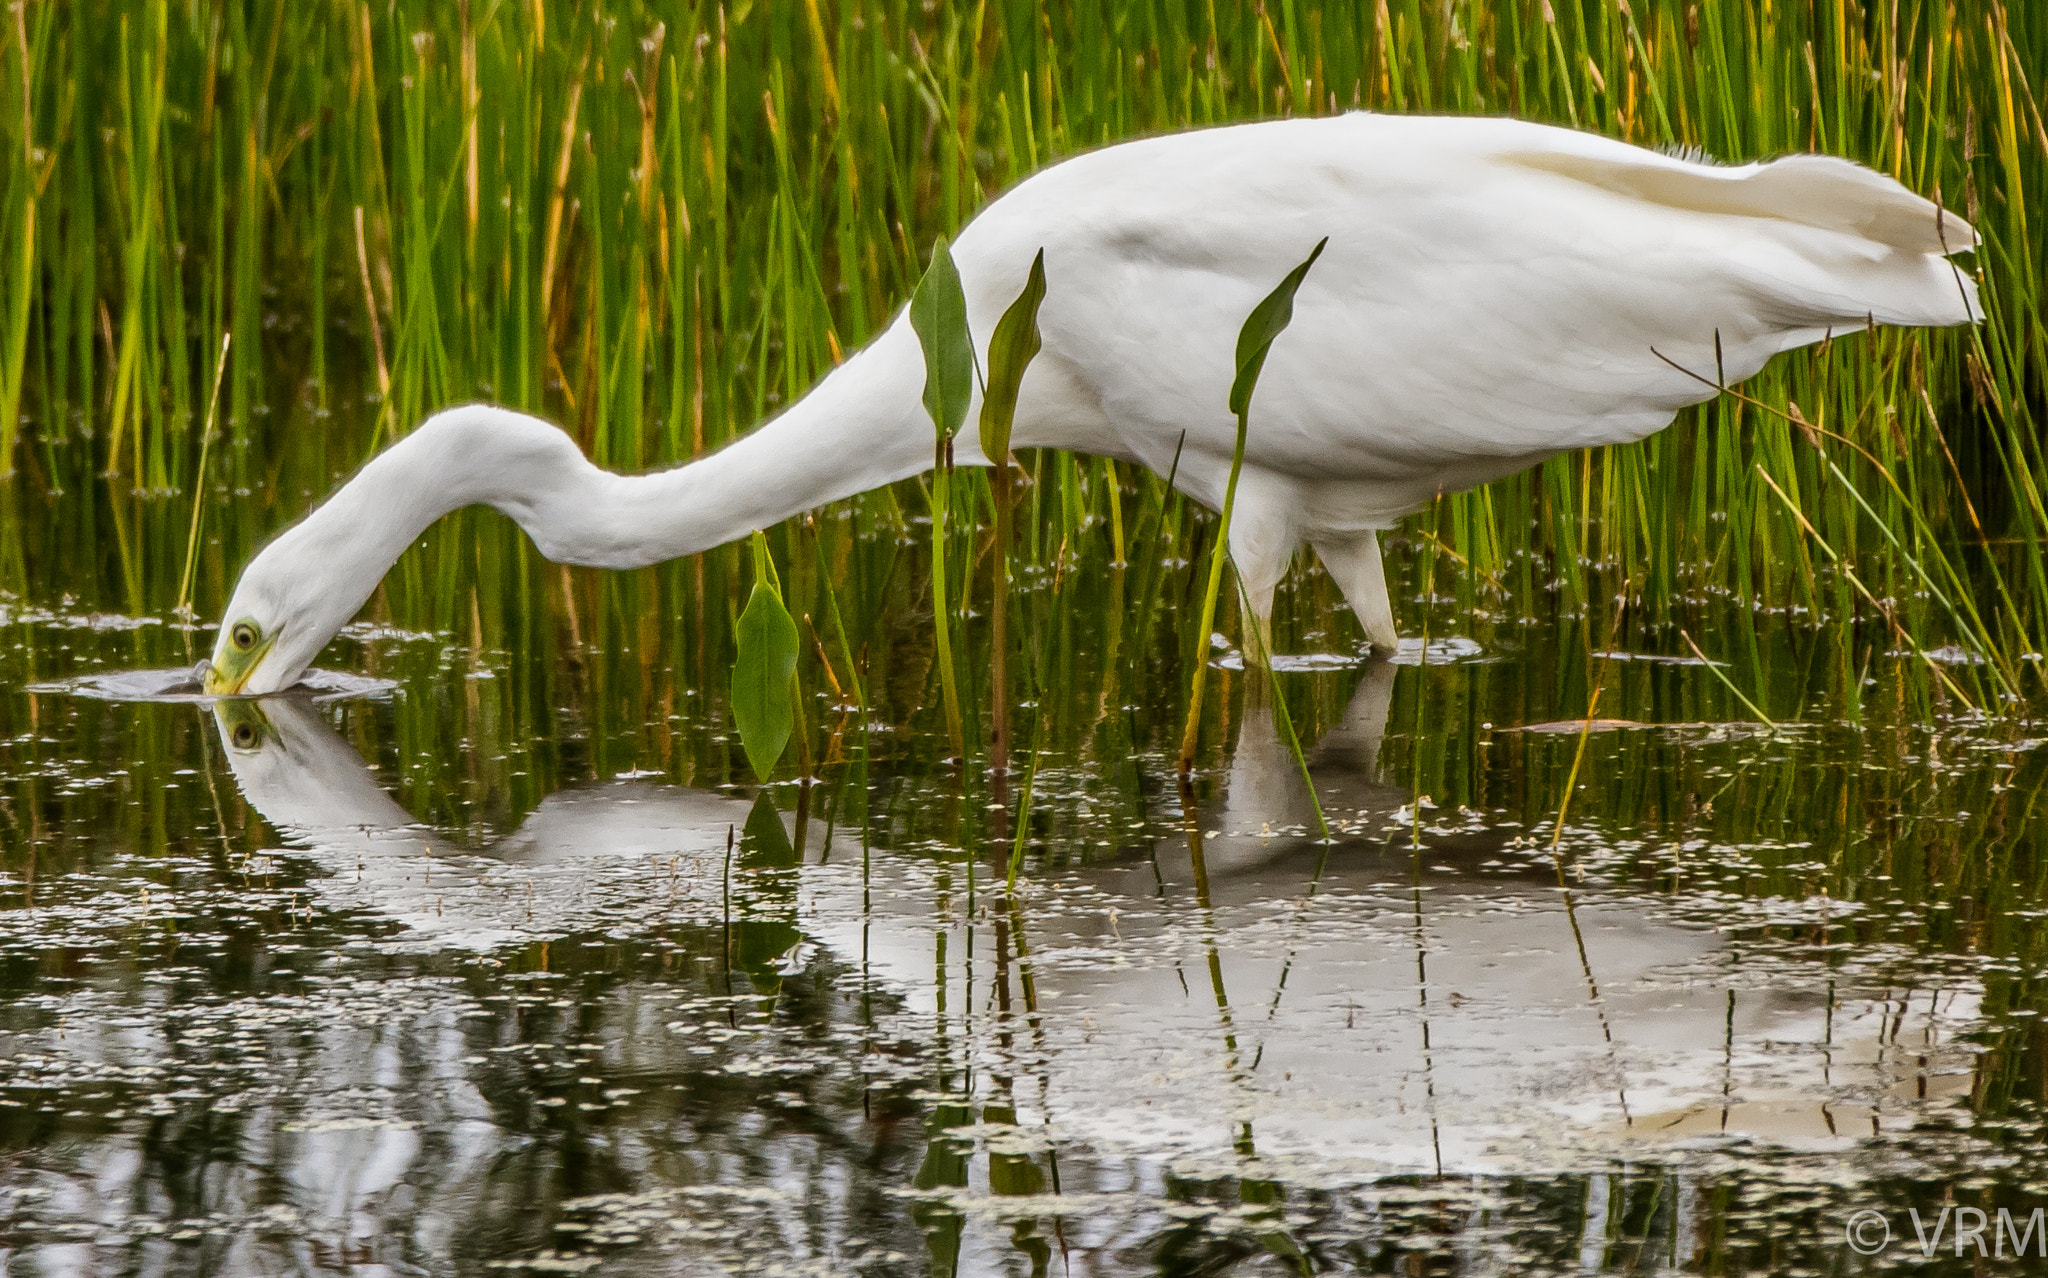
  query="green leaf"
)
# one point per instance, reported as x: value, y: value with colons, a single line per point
x: 1265, y: 323
x: 1010, y: 352
x: 761, y: 676
x: 938, y: 313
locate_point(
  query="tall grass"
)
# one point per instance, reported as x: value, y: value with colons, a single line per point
x: 658, y: 224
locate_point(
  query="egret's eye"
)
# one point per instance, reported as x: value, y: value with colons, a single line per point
x: 243, y: 636
x: 245, y: 736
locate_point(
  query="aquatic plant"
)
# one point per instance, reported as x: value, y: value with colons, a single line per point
x: 938, y: 312
x: 1010, y: 352
x: 765, y: 650
x: 1266, y: 322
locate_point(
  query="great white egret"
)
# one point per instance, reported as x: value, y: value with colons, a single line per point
x: 1494, y: 293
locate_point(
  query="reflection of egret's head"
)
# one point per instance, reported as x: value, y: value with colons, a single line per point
x: 243, y: 725
x: 299, y: 772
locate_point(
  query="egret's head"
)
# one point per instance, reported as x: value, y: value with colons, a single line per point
x: 291, y: 600
x: 305, y: 585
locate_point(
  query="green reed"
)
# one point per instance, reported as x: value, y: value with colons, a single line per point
x: 657, y: 226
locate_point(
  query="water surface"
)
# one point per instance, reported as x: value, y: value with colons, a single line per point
x: 512, y: 965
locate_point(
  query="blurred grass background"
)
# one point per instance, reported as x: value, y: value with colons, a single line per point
x: 658, y: 223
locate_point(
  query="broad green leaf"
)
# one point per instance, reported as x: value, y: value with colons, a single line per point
x: 767, y: 641
x: 938, y: 314
x: 1265, y: 323
x: 1010, y: 352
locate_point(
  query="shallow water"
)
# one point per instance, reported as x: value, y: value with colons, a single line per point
x: 185, y: 683
x: 499, y: 961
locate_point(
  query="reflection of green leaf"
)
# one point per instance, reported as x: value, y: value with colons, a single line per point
x: 758, y: 948
x: 944, y: 1163
x: 1013, y: 1175
x: 1266, y: 322
x: 764, y: 898
x: 764, y: 844
x: 944, y: 1167
x: 938, y: 314
x: 1256, y: 1191
x: 766, y: 639
x: 1010, y: 352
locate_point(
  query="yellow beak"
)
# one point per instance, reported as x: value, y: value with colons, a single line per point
x: 229, y: 672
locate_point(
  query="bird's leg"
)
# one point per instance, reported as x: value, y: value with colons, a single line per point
x: 1352, y: 744
x: 1258, y: 625
x: 1261, y: 543
x: 1354, y: 560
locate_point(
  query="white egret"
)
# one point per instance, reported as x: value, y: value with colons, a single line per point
x: 1494, y: 293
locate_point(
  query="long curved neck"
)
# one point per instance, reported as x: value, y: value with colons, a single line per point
x: 863, y: 426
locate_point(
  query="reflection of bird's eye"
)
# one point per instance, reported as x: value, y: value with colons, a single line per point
x: 243, y: 636
x: 245, y: 736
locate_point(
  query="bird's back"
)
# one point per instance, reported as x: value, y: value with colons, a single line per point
x: 1494, y: 292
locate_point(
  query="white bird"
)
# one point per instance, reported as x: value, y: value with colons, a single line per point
x: 1494, y: 293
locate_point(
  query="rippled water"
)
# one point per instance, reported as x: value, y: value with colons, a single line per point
x: 503, y: 966
x: 185, y: 683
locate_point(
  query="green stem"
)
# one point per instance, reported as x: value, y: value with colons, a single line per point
x: 1215, y: 587
x: 942, y: 624
x: 999, y: 639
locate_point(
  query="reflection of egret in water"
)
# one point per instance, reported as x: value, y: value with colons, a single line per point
x: 535, y: 882
x: 572, y: 862
x: 1372, y: 1007
x: 1290, y: 1015
x: 613, y: 861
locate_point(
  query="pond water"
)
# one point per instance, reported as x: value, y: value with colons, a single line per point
x: 486, y: 955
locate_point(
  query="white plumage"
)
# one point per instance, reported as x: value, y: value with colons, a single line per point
x: 1494, y: 293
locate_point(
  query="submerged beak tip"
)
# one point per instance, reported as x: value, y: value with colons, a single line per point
x: 216, y: 683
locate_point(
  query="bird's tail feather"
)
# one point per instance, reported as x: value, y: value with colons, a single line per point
x: 1821, y: 191
x: 1892, y: 267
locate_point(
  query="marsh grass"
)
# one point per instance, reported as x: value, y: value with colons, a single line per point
x: 659, y: 225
